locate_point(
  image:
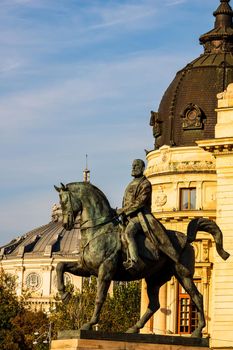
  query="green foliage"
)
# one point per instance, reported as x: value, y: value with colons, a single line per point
x: 78, y: 310
x: 17, y: 323
x: 120, y: 311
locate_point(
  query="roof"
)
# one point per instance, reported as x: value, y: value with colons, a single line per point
x: 45, y: 241
x: 187, y: 110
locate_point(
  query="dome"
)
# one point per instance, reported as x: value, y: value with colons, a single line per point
x: 186, y: 112
x: 32, y: 259
x: 50, y: 240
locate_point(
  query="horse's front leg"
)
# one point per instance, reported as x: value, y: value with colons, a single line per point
x: 61, y: 268
x: 105, y: 275
x: 60, y: 277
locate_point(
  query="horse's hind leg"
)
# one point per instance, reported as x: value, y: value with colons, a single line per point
x: 153, y: 305
x: 196, y: 297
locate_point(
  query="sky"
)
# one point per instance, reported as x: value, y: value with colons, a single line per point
x: 81, y: 77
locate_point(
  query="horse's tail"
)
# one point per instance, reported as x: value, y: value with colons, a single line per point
x: 211, y: 227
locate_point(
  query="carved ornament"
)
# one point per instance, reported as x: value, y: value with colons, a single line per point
x: 226, y: 94
x: 160, y: 198
x: 33, y: 281
x: 192, y: 117
x: 216, y: 46
x: 163, y: 167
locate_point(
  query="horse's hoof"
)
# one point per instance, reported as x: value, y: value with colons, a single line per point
x: 196, y: 334
x: 65, y: 297
x: 132, y: 330
x: 86, y: 327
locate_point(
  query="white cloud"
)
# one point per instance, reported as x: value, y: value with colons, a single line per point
x: 175, y: 2
x: 120, y: 14
x: 89, y: 87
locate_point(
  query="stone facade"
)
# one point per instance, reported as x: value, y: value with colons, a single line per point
x: 207, y: 168
x: 222, y: 296
x: 172, y: 170
x: 33, y: 258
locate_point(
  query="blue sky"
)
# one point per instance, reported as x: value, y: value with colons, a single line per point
x: 81, y: 76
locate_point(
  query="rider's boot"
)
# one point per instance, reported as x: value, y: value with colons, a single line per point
x: 133, y: 259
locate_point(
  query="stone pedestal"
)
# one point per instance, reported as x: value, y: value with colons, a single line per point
x: 85, y: 340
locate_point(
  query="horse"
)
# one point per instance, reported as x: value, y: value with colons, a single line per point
x: 102, y: 253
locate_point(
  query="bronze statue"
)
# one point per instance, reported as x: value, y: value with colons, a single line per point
x: 103, y: 254
x: 136, y: 213
x: 157, y: 128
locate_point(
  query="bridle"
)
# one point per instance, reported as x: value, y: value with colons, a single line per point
x: 69, y: 212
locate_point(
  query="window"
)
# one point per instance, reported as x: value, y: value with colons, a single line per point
x: 187, y: 198
x: 187, y: 312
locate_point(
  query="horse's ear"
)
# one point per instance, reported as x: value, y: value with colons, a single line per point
x: 58, y: 189
x: 63, y: 187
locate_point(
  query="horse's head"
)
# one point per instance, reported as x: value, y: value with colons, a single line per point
x: 70, y: 206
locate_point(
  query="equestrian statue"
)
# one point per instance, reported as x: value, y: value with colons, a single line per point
x: 129, y: 244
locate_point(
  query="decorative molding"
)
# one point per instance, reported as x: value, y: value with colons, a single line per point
x: 163, y: 167
x: 217, y: 146
x: 33, y: 281
x: 201, y: 249
x: 19, y: 268
x: 192, y: 117
x: 184, y: 216
x: 205, y: 250
x: 226, y: 94
x: 67, y: 280
x: 160, y: 198
x: 45, y: 268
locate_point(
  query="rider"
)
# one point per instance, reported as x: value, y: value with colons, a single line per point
x: 136, y: 208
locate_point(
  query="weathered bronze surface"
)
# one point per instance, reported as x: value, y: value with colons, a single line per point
x: 137, y: 216
x: 198, y: 84
x: 103, y: 254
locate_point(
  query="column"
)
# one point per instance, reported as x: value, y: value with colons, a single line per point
x: 160, y: 317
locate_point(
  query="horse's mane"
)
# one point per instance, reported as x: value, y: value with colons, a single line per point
x: 80, y: 186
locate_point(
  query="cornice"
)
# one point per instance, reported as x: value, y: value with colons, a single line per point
x: 220, y: 146
x: 179, y: 216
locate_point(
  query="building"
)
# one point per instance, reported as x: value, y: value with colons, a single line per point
x: 33, y: 257
x: 191, y: 171
x: 187, y: 175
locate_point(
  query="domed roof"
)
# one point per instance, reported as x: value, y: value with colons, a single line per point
x: 46, y: 241
x: 186, y: 112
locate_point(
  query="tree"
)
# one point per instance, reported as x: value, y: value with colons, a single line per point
x: 120, y: 311
x: 17, y: 323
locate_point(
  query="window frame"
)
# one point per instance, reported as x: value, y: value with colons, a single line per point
x: 189, y: 199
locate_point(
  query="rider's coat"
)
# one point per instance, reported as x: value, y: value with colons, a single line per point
x: 137, y: 208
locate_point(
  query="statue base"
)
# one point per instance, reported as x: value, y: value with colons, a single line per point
x: 90, y: 340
